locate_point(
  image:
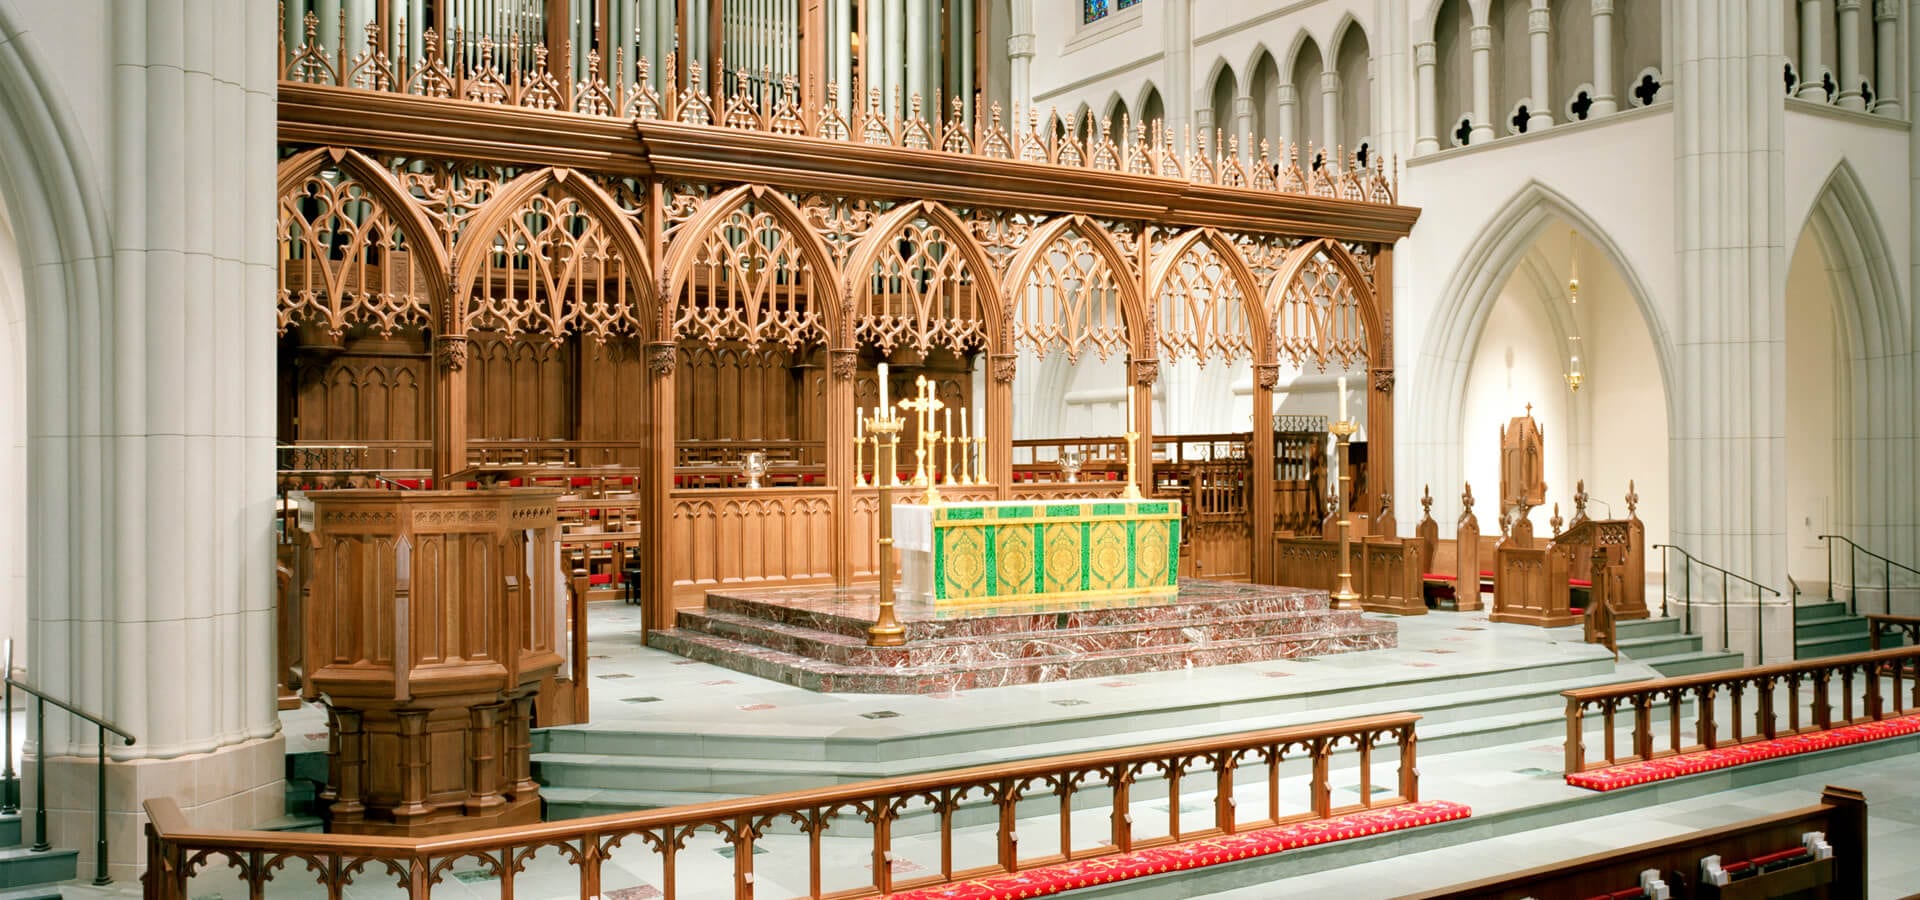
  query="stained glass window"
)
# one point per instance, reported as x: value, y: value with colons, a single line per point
x: 1096, y: 9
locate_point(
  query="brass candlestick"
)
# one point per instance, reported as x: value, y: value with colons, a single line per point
x: 884, y: 428
x: 1132, y: 491
x: 1344, y: 597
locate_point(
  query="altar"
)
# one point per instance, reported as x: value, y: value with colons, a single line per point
x: 991, y: 552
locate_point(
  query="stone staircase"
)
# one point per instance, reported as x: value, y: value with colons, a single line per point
x: 26, y: 875
x: 1659, y: 643
x: 1826, y: 628
x: 596, y: 770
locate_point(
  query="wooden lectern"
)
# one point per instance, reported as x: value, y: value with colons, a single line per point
x: 431, y: 622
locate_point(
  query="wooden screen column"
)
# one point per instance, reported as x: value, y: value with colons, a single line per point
x: 658, y: 449
x: 1142, y: 373
x: 1260, y: 476
x: 999, y: 450
x: 449, y: 406
x: 841, y: 366
x: 1380, y: 385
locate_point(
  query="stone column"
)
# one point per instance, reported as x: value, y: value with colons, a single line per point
x: 1847, y: 39
x: 1020, y: 76
x: 1427, y: 140
x: 1812, y: 16
x: 1177, y: 74
x: 1603, y: 101
x: 1728, y: 443
x: 1202, y: 128
x: 1886, y: 57
x: 152, y: 575
x: 1330, y: 110
x: 1284, y: 99
x: 1482, y: 85
x: 1540, y: 115
x: 1243, y: 125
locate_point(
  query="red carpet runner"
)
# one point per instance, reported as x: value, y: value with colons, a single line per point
x: 1641, y: 772
x: 1103, y: 870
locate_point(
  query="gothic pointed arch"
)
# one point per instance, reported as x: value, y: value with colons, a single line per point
x: 355, y: 246
x: 1208, y: 301
x: 1323, y: 310
x: 1843, y: 220
x: 949, y: 296
x: 565, y: 258
x: 1073, y: 288
x: 747, y: 267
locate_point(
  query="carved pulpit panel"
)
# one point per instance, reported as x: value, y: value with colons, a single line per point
x: 1522, y: 463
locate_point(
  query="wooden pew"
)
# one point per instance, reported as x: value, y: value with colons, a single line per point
x: 1446, y: 564
x: 1764, y: 857
x: 601, y: 538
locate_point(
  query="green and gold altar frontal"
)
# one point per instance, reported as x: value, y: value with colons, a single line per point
x: 966, y: 553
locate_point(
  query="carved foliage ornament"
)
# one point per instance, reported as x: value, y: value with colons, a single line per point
x: 661, y: 356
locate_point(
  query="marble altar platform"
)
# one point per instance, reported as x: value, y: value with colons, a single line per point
x: 815, y: 638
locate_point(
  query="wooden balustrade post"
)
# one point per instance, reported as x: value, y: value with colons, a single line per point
x: 1321, y: 789
x: 1576, y: 734
x: 592, y: 854
x: 1707, y: 728
x: 1822, y: 700
x: 1409, y: 765
x: 1763, y: 715
x: 1005, y: 797
x: 1121, y: 782
x: 1223, y: 792
x: 1875, y: 703
x: 1643, y: 726
x: 743, y: 858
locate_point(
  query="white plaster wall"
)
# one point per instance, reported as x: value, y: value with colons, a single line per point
x: 1625, y: 404
x: 1517, y: 363
x: 1818, y: 140
x: 1812, y: 398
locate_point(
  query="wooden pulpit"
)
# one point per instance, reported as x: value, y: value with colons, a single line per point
x: 431, y: 622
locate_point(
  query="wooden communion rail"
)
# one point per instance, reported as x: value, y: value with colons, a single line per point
x: 176, y: 852
x: 1758, y: 691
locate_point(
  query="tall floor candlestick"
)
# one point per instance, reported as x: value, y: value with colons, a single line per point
x: 1343, y: 596
x: 886, y: 630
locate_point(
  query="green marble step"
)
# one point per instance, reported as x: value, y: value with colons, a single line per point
x: 1833, y: 645
x: 1658, y: 645
x: 1390, y: 692
x: 12, y: 832
x: 1650, y: 627
x: 1830, y: 626
x: 21, y: 867
x: 1696, y: 662
x: 591, y: 784
x: 1821, y: 609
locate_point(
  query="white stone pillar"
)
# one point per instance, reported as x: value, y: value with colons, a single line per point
x: 1482, y: 85
x: 1727, y: 312
x: 1330, y: 112
x: 1177, y: 74
x: 1603, y: 100
x: 162, y: 616
x: 1813, y: 17
x: 1202, y: 128
x: 1886, y: 57
x: 1020, y: 64
x: 1284, y: 98
x: 1540, y: 115
x: 1427, y: 140
x: 1243, y: 125
x: 1847, y: 39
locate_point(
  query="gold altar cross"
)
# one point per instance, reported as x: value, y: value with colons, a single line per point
x: 926, y: 404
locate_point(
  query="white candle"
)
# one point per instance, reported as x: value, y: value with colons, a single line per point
x: 948, y: 431
x: 966, y: 428
x: 1129, y: 425
x: 1343, y: 398
x: 859, y: 423
x: 885, y: 407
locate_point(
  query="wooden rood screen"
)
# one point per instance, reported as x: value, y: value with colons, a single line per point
x: 841, y: 841
x: 490, y: 271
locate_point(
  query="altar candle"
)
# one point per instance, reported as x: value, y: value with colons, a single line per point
x: 1343, y: 398
x: 884, y: 405
x: 949, y: 423
x: 966, y: 427
x: 1129, y: 424
x: 859, y: 423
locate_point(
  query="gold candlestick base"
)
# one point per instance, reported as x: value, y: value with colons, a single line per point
x: 886, y: 630
x: 1132, y: 490
x: 1343, y: 596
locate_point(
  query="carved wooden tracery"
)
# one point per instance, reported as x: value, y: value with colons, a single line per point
x: 1321, y: 310
x: 1203, y: 295
x: 1073, y: 291
x: 920, y: 282
x: 353, y: 251
x: 747, y: 269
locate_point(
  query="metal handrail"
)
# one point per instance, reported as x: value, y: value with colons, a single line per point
x: 1853, y: 572
x: 1759, y: 621
x: 10, y: 802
